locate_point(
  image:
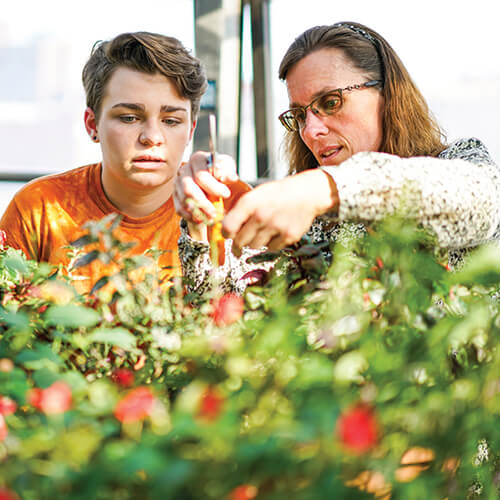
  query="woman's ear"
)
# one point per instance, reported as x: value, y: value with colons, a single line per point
x: 91, y: 124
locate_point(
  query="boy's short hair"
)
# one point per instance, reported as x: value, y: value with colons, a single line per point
x: 148, y: 53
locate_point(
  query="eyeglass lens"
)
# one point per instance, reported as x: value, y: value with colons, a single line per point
x: 323, y: 105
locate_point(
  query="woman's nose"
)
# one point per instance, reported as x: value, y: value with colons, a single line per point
x: 314, y: 125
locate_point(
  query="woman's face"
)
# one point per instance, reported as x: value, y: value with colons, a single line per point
x: 356, y: 127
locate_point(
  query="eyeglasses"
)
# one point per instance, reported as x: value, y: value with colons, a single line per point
x: 325, y: 105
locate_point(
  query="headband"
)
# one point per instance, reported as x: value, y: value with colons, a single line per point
x: 370, y: 38
x: 360, y: 31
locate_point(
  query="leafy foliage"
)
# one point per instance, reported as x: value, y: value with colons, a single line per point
x: 379, y: 374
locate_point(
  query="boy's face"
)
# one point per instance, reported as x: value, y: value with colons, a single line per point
x: 144, y: 128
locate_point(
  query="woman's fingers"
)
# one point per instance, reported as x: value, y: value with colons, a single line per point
x: 263, y: 238
x: 280, y: 212
x: 276, y: 243
x: 251, y: 234
x: 240, y: 214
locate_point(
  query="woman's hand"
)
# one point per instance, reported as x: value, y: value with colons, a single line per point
x: 196, y: 183
x: 278, y: 213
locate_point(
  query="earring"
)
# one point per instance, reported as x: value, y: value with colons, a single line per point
x: 94, y: 138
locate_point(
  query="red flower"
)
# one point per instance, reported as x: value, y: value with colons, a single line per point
x: 34, y: 291
x: 7, y: 405
x: 53, y: 400
x: 3, y: 429
x: 123, y: 377
x: 7, y: 495
x: 358, y: 429
x: 42, y: 309
x: 56, y: 398
x: 227, y: 309
x: 135, y: 406
x: 3, y: 238
x: 243, y: 492
x: 34, y: 397
x: 211, y: 404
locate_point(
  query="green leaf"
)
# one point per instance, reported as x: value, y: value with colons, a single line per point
x: 75, y: 380
x: 77, y: 445
x: 14, y: 383
x: 482, y: 267
x: 151, y: 460
x: 16, y: 262
x: 83, y: 241
x: 45, y: 377
x: 137, y: 261
x: 263, y: 257
x: 254, y: 300
x: 314, y: 369
x: 15, y: 320
x: 307, y: 251
x: 349, y: 367
x: 41, y: 356
x: 99, y: 284
x: 477, y: 320
x: 115, y: 336
x: 72, y: 316
x: 86, y: 259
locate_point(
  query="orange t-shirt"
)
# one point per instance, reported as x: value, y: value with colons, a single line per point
x: 48, y: 213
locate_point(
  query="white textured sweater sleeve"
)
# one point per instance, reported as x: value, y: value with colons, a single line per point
x: 458, y: 200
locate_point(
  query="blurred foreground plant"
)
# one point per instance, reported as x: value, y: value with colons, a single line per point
x: 378, y: 375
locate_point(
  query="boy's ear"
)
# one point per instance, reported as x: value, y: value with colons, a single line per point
x: 90, y: 124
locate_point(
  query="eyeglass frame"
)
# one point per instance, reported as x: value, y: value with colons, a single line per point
x: 282, y: 119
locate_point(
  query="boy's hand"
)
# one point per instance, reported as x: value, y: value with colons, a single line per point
x: 197, y: 181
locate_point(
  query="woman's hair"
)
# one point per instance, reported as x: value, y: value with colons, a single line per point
x: 148, y: 53
x: 408, y: 126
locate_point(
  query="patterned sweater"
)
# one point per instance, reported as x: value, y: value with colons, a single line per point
x: 456, y: 196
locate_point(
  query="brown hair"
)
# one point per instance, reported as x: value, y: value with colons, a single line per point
x: 409, y: 128
x: 148, y: 53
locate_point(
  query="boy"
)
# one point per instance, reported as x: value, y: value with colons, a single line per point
x: 143, y: 94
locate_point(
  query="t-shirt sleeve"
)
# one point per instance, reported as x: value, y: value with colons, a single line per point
x: 19, y: 225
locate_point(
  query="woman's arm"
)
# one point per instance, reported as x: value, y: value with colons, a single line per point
x: 456, y: 195
x: 457, y: 198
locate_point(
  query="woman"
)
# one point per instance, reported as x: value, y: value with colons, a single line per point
x: 356, y: 114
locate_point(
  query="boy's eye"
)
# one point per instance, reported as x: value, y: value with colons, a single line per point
x: 171, y: 121
x: 128, y: 118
